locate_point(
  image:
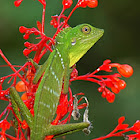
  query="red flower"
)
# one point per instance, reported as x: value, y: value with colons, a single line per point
x: 20, y: 86
x: 62, y: 108
x: 125, y: 70
x: 136, y: 126
x: 24, y: 124
x: 121, y: 120
x: 108, y: 81
x: 66, y: 103
x: 4, y: 125
x: 89, y: 3
x: 67, y: 3
x: 17, y: 2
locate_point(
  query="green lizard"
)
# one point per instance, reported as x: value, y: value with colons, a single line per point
x: 71, y: 45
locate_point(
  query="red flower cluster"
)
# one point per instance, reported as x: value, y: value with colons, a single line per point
x: 108, y: 81
x: 26, y: 85
x: 68, y: 105
x: 80, y: 3
x: 18, y: 2
x: 30, y: 47
x: 67, y: 4
x: 55, y: 22
x: 121, y: 129
x: 89, y: 3
x: 4, y: 124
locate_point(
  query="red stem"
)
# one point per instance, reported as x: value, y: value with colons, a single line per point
x: 59, y: 17
x: 43, y: 17
x: 113, y: 135
x: 9, y: 136
x: 71, y: 13
x: 7, y: 115
x: 40, y: 45
x: 4, y: 111
x: 59, y: 29
x: 48, y: 47
x: 97, y: 70
x: 86, y: 79
x: 122, y: 132
x: 10, y: 65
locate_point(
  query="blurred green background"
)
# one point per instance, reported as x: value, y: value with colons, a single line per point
x: 120, y: 43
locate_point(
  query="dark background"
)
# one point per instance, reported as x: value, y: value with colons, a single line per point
x: 120, y: 43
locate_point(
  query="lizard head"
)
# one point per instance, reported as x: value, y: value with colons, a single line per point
x: 81, y: 38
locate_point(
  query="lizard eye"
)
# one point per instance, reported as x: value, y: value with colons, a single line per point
x: 86, y: 29
x: 73, y: 41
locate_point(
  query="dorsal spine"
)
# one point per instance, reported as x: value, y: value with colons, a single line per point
x: 60, y: 37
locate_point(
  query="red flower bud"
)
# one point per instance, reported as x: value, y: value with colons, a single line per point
x: 2, y: 93
x: 115, y: 89
x: 121, y: 84
x: 92, y: 3
x: 17, y: 2
x: 89, y: 3
x: 121, y: 120
x: 100, y: 89
x: 55, y: 25
x: 20, y: 86
x: 22, y: 29
x: 106, y: 62
x: 125, y: 70
x: 52, y: 22
x: 24, y: 96
x: 136, y: 126
x: 39, y: 26
x: 26, y: 52
x: 27, y: 44
x: 109, y: 83
x: 103, y: 94
x: 67, y: 3
x: 82, y: 3
x: 26, y: 36
x: 110, y: 97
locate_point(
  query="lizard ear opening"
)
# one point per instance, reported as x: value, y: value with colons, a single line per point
x: 86, y: 29
x: 73, y: 41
